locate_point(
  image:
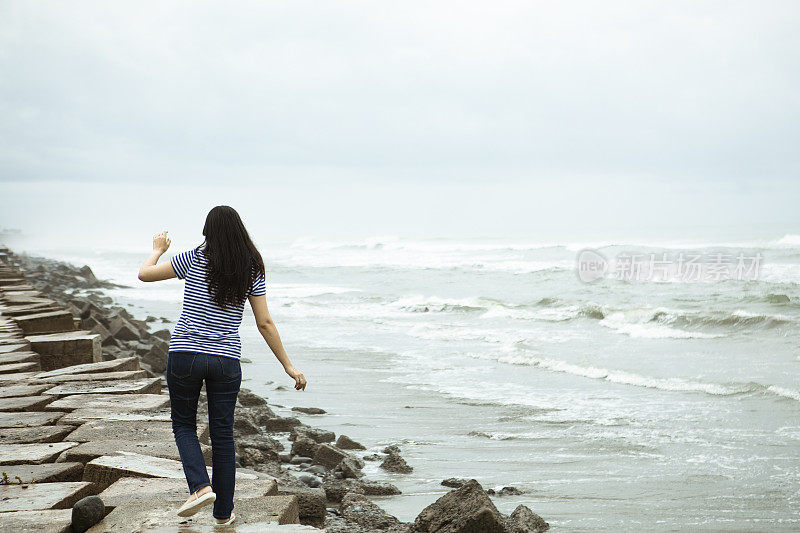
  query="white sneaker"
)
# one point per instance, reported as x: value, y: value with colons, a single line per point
x: 229, y: 521
x: 191, y: 507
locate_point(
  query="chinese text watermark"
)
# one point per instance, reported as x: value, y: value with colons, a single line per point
x: 665, y: 266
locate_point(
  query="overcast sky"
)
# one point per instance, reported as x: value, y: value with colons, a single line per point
x: 426, y: 118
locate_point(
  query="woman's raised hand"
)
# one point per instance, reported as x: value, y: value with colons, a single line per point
x: 300, y: 379
x: 161, y: 242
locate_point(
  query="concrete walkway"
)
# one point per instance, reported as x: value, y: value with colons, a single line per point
x: 73, y: 424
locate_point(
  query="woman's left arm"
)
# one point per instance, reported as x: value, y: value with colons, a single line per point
x: 150, y: 271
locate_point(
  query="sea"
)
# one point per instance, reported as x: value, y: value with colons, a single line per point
x: 618, y: 385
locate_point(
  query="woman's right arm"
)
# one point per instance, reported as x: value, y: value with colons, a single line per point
x: 269, y: 331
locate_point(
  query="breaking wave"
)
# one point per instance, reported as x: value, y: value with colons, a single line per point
x: 639, y: 380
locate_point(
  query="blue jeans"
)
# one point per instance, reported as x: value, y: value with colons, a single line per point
x: 223, y: 375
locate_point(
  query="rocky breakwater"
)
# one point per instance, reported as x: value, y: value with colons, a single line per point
x: 86, y: 440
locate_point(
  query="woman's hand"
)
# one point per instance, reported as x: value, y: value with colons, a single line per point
x: 161, y: 242
x: 300, y: 379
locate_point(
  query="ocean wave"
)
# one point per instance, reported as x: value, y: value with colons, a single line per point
x: 643, y: 323
x: 433, y: 304
x: 639, y: 380
x: 789, y: 240
x: 736, y: 318
x: 665, y: 323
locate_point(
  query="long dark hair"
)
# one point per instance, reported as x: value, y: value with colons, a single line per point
x: 233, y: 260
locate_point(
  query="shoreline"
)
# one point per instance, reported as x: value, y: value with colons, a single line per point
x: 318, y: 470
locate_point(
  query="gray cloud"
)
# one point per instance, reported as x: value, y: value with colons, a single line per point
x: 282, y: 91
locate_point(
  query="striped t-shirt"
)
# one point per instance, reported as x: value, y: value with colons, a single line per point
x: 203, y: 326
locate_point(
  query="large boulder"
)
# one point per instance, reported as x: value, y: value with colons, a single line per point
x: 467, y: 509
x: 249, y: 399
x: 122, y: 329
x: 304, y: 446
x: 346, y: 443
x: 328, y: 456
x: 395, y: 463
x: 523, y: 520
x: 317, y: 434
x: 359, y: 509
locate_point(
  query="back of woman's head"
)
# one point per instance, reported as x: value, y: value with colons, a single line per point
x: 233, y: 260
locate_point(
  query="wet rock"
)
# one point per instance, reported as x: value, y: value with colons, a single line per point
x: 311, y: 501
x: 316, y: 469
x: 300, y: 459
x: 328, y: 456
x: 280, y: 423
x: 86, y: 513
x: 467, y: 509
x: 122, y: 329
x: 454, y: 482
x: 335, y: 489
x: 250, y: 457
x: 304, y: 446
x: 359, y: 509
x: 262, y: 414
x: 245, y: 424
x: 163, y: 333
x: 378, y: 488
x: 154, y: 355
x: 309, y: 410
x: 372, y: 457
x: 250, y: 399
x: 266, y: 444
x: 310, y: 480
x: 285, y: 457
x: 346, y: 443
x: 394, y: 448
x: 350, y: 467
x: 395, y: 463
x: 523, y: 520
x: 505, y: 491
x: 318, y: 435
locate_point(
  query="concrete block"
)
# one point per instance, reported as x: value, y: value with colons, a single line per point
x: 111, y: 401
x: 116, y: 365
x: 13, y: 368
x: 18, y: 287
x: 81, y: 416
x: 35, y: 496
x: 47, y: 322
x: 45, y: 472
x: 41, y: 521
x: 166, y: 449
x: 28, y: 309
x: 107, y: 469
x: 18, y: 357
x: 67, y: 348
x: 19, y: 347
x: 96, y: 376
x: 137, y: 431
x: 16, y: 377
x: 24, y: 403
x: 10, y: 391
x: 133, y: 386
x: 15, y: 454
x: 34, y: 434
x: 262, y: 515
x: 135, y: 489
x: 28, y: 419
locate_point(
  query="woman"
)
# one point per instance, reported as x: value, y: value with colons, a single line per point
x: 220, y: 274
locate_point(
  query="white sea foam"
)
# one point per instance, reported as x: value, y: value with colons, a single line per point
x: 789, y: 240
x: 637, y: 323
x: 639, y: 380
x: 784, y: 392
